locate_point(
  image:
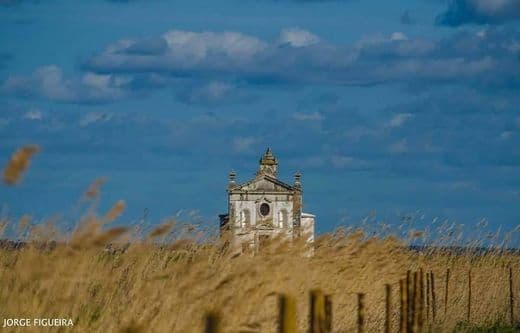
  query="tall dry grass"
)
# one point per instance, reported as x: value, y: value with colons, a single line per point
x: 18, y: 163
x: 166, y: 285
x: 116, y: 279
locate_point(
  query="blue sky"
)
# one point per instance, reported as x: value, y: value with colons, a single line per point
x: 387, y: 108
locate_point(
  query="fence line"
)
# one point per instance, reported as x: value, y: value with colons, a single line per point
x: 417, y: 299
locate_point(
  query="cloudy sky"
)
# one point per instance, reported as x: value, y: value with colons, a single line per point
x: 389, y: 108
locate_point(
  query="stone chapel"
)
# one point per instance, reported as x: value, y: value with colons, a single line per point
x: 265, y: 207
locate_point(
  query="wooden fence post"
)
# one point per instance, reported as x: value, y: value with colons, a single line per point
x: 211, y: 323
x: 317, y: 317
x: 427, y: 298
x: 511, y: 297
x: 410, y: 298
x: 403, y: 317
x: 420, y: 308
x: 446, y: 292
x: 415, y: 303
x: 328, y: 312
x: 287, y: 314
x: 388, y: 302
x: 361, y: 313
x: 469, y: 297
x: 434, y: 304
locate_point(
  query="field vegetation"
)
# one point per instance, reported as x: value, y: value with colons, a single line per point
x: 128, y: 279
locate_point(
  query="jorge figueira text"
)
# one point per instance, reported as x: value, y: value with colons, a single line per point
x: 37, y: 322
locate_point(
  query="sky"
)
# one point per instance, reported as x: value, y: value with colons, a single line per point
x: 392, y: 110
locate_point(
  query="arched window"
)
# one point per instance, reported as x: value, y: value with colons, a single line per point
x: 283, y: 218
x: 245, y: 218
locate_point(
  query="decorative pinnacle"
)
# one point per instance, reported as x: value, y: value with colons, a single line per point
x: 268, y: 164
x: 268, y: 153
x: 232, y: 177
x: 268, y: 158
x: 298, y: 179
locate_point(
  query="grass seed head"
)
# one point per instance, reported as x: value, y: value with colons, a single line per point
x: 161, y: 230
x: 94, y: 189
x: 24, y: 221
x: 108, y: 236
x: 115, y: 211
x: 18, y: 163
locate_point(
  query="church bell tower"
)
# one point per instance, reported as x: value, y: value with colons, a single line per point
x: 268, y: 164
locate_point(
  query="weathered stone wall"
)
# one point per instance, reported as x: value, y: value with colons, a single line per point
x: 281, y: 205
x: 307, y: 226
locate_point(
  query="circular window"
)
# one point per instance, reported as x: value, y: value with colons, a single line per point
x: 264, y: 209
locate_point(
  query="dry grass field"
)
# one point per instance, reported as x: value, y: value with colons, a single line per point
x: 144, y: 287
x: 114, y: 279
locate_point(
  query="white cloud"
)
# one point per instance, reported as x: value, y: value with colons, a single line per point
x: 398, y: 120
x: 50, y: 82
x: 398, y: 36
x: 296, y: 37
x: 235, y: 56
x: 201, y: 61
x: 96, y: 81
x: 196, y: 46
x: 94, y: 117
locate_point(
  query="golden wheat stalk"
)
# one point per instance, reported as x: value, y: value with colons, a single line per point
x: 94, y: 189
x: 18, y: 163
x: 160, y: 230
x: 108, y: 236
x: 115, y: 211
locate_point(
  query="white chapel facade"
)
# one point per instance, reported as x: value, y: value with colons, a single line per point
x: 264, y: 208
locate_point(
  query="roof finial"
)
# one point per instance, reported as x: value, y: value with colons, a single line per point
x: 268, y: 163
x: 298, y: 179
x: 232, y: 178
x: 268, y: 153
